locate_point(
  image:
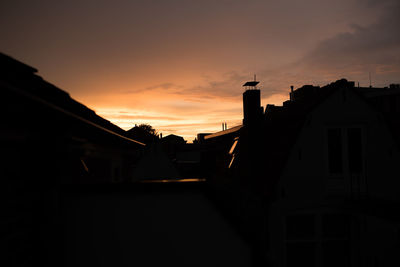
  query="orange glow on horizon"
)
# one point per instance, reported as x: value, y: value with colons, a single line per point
x: 178, y: 114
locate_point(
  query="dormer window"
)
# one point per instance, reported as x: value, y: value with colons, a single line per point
x: 345, y: 160
x: 345, y: 151
x: 335, y: 151
x: 354, y: 150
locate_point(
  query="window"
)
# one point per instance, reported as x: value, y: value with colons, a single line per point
x: 335, y: 239
x: 345, y: 151
x: 233, y: 151
x: 317, y: 240
x: 354, y: 149
x: 335, y: 151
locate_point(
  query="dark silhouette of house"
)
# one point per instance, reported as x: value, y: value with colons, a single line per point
x: 49, y: 140
x: 314, y: 181
x: 185, y: 157
x: 173, y: 139
x: 52, y: 130
x: 155, y: 164
x: 169, y: 158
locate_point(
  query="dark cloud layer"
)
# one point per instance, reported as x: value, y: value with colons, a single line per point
x: 374, y: 48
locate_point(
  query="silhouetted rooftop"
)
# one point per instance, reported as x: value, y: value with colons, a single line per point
x: 173, y: 138
x: 224, y: 132
x: 8, y: 64
x: 21, y: 79
x: 282, y: 124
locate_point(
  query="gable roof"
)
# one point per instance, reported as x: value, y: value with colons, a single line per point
x: 20, y: 80
x: 173, y: 138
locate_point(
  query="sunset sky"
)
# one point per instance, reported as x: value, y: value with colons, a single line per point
x: 180, y: 65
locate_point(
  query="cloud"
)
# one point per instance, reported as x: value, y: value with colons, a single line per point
x: 352, y: 54
x: 171, y: 87
x: 374, y: 48
x: 168, y: 67
x: 164, y: 86
x: 141, y: 117
x: 186, y: 109
x: 227, y: 88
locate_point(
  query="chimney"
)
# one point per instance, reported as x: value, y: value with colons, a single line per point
x: 251, y: 103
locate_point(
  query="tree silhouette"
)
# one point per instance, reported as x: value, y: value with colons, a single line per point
x: 144, y: 133
x: 148, y: 128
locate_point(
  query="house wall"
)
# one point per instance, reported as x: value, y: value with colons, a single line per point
x: 307, y: 186
x: 306, y: 175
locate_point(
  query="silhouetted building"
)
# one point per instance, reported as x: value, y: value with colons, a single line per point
x: 214, y: 156
x: 314, y: 182
x: 155, y: 164
x: 336, y: 187
x: 169, y: 158
x: 185, y: 157
x: 49, y: 140
x: 56, y: 134
x: 200, y: 137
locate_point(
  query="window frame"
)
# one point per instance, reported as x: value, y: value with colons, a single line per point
x: 346, y: 174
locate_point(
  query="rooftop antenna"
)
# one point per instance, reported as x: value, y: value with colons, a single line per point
x: 370, y: 80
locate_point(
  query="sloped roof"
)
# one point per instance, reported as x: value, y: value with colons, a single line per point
x: 21, y: 79
x: 222, y: 133
x: 8, y: 64
x: 173, y: 138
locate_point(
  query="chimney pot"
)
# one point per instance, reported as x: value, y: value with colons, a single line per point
x: 291, y: 93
